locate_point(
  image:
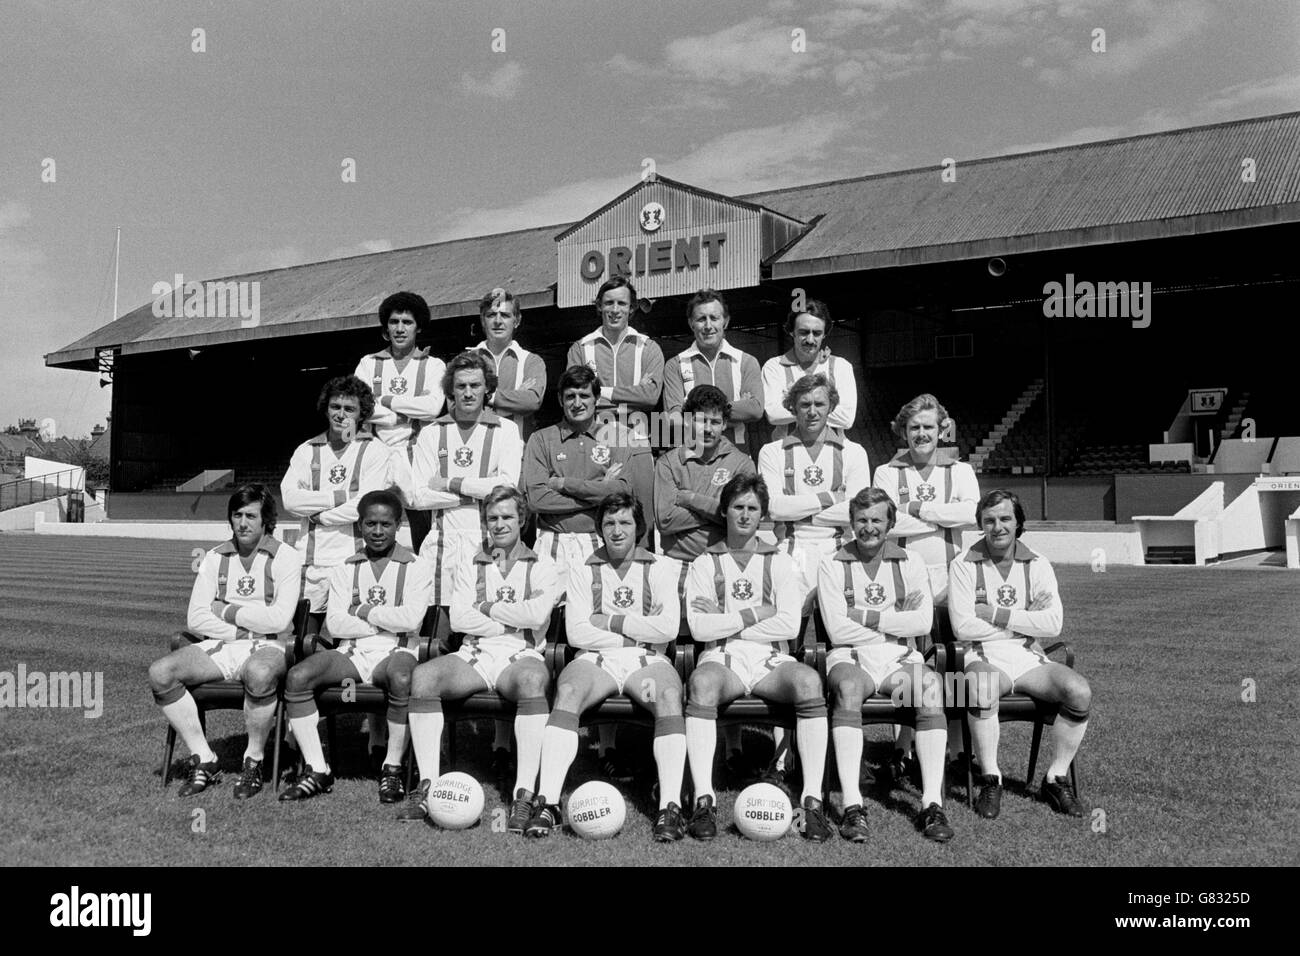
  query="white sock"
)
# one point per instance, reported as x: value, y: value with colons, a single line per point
x: 701, y: 742
x: 396, y: 742
x: 426, y: 741
x: 810, y: 734
x: 930, y: 754
x: 304, y: 728
x: 848, y: 761
x: 984, y: 733
x: 184, y: 716
x: 1066, y: 737
x: 259, y: 720
x: 530, y: 731
x: 670, y: 759
x: 503, y: 737
x: 559, y: 747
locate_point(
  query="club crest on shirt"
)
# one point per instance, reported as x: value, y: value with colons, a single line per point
x: 397, y: 385
x: 338, y: 474
x: 600, y: 454
x: 925, y: 491
x: 742, y: 589
x: 244, y: 586
x: 506, y: 594
x: 875, y: 594
x: 623, y: 597
x: 813, y: 475
x: 1006, y: 595
x: 376, y: 594
x: 464, y: 456
x: 720, y: 477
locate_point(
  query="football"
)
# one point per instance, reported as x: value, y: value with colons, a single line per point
x: 596, y: 810
x: 763, y: 812
x: 455, y: 801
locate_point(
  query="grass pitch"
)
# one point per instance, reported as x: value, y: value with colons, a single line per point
x: 1182, y: 769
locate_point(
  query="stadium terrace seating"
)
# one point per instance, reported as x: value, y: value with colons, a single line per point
x: 972, y: 402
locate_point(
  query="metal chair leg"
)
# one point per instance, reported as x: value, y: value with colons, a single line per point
x: 275, y: 751
x: 1033, y: 753
x: 169, y: 750
x: 969, y: 751
x: 329, y: 735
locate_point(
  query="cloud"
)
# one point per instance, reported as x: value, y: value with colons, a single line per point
x: 1256, y: 98
x: 502, y: 83
x: 738, y: 162
x: 757, y: 49
x: 1167, y: 25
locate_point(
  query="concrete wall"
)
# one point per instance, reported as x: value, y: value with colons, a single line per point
x: 164, y: 505
x: 1165, y: 494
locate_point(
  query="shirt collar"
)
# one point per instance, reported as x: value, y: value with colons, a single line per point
x: 726, y: 348
x: 416, y: 353
x: 520, y: 552
x: 267, y: 544
x: 399, y: 554
x: 891, y: 551
x: 567, y: 431
x: 830, y: 436
x: 725, y: 447
x: 979, y: 551
x: 629, y: 335
x: 720, y: 547
x: 324, y: 438
x: 943, y: 457
x: 789, y: 359
x: 601, y: 556
x: 511, y: 349
x: 485, y: 417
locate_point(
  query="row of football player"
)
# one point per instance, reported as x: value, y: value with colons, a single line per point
x: 568, y: 467
x: 631, y: 366
x: 742, y: 601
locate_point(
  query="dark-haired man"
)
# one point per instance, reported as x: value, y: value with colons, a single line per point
x: 406, y: 384
x: 1002, y: 597
x: 242, y: 605
x: 377, y: 601
x: 327, y: 476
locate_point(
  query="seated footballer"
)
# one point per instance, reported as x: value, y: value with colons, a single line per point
x: 240, y: 619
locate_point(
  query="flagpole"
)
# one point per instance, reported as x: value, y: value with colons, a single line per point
x: 117, y: 253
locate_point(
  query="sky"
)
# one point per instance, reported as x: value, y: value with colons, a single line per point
x: 466, y: 118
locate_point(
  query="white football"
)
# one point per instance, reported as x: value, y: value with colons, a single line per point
x: 763, y: 812
x: 596, y: 810
x: 455, y: 801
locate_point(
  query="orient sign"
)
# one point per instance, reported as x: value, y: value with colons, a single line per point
x: 669, y: 239
x: 649, y: 258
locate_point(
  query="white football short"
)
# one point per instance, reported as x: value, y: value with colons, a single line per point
x: 489, y: 656
x: 879, y: 660
x: 751, y: 661
x: 442, y: 553
x: 621, y: 662
x: 567, y: 549
x: 367, y: 653
x: 316, y: 587
x: 231, y: 656
x: 1015, y: 658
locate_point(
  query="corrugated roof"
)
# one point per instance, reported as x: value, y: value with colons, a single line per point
x: 345, y: 293
x: 1115, y: 190
x: 1173, y: 183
